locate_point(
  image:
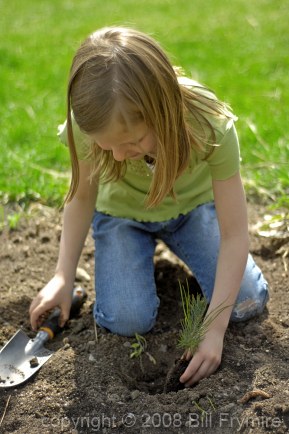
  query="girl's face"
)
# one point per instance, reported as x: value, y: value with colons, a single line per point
x: 127, y: 142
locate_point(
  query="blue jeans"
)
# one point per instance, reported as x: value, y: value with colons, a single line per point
x: 126, y: 295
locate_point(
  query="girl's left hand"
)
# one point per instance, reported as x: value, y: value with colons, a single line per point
x: 206, y: 359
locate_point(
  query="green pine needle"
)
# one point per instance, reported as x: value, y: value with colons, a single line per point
x: 194, y: 326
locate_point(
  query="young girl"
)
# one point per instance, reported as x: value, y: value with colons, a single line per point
x: 154, y: 156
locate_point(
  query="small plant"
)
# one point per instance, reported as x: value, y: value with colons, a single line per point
x: 275, y: 226
x: 201, y: 410
x: 194, y: 324
x: 13, y: 220
x: 10, y: 220
x: 139, y: 347
x: 204, y: 413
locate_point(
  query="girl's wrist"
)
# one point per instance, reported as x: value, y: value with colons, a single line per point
x: 64, y: 279
x: 221, y: 322
x: 222, y: 315
x: 216, y: 332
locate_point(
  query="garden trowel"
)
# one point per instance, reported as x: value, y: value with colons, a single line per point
x: 21, y: 357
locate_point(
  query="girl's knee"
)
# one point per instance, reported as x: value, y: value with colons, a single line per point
x: 253, y: 295
x: 131, y: 327
x: 250, y: 307
x: 127, y: 323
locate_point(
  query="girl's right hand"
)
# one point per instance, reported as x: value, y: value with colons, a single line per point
x: 55, y: 293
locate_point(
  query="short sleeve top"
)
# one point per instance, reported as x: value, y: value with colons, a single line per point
x: 126, y: 197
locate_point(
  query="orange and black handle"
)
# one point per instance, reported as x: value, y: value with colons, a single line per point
x: 51, y: 325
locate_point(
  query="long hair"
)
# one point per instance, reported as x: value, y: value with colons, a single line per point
x: 125, y: 68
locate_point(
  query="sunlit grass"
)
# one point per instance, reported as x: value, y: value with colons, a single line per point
x: 239, y: 49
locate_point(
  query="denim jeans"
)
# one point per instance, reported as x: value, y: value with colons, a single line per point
x: 126, y: 295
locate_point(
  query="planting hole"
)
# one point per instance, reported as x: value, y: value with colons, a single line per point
x: 151, y: 381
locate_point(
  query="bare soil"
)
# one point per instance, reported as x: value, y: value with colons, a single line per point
x: 91, y: 385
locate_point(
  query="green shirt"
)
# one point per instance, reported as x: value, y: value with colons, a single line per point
x: 126, y: 197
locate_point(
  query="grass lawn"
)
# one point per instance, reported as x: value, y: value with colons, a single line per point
x: 239, y: 49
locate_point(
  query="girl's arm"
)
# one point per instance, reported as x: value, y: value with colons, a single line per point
x: 77, y: 218
x: 232, y: 217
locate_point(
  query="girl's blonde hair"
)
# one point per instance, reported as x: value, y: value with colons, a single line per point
x: 124, y: 68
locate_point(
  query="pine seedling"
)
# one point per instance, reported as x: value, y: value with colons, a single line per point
x: 194, y: 324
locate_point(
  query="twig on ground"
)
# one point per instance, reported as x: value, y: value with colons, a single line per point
x: 95, y: 332
x: 254, y: 394
x: 5, y: 410
x: 284, y: 251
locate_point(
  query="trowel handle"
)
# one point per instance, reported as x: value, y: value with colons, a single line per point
x: 51, y: 325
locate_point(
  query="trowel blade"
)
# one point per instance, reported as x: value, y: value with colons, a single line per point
x: 16, y: 366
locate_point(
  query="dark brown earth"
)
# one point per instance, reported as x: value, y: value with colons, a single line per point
x: 92, y: 386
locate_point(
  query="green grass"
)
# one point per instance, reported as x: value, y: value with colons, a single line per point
x: 239, y: 49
